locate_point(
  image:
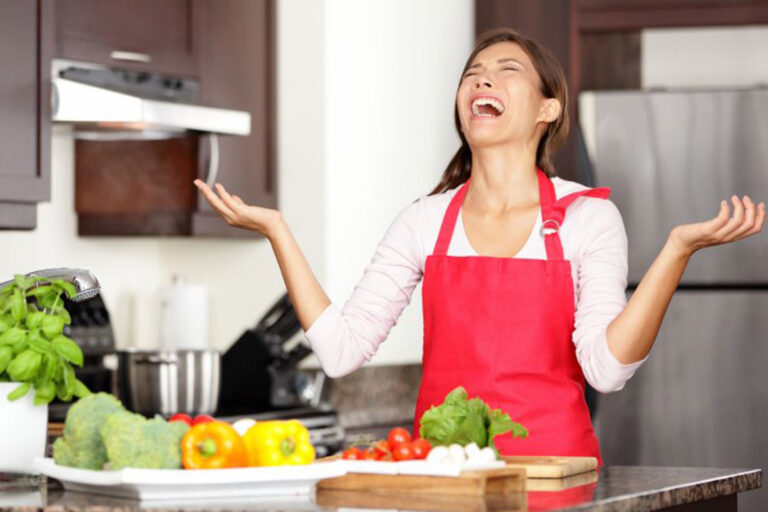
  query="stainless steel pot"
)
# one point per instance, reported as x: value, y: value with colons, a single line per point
x: 169, y: 381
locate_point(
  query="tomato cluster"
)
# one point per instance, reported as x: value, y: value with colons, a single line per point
x: 186, y: 418
x: 397, y: 446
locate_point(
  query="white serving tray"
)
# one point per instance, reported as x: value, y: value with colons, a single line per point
x: 174, y: 484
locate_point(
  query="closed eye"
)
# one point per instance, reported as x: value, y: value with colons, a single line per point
x: 503, y: 69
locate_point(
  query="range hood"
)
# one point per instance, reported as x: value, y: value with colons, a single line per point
x: 94, y: 98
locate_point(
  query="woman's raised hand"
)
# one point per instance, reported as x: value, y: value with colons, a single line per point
x: 307, y: 296
x: 238, y: 214
x: 747, y: 220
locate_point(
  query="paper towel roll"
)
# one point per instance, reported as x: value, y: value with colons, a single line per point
x: 184, y: 317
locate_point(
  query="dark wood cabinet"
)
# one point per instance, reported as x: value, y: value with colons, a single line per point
x: 135, y: 187
x: 146, y: 35
x: 237, y: 71
x: 144, y: 187
x: 635, y: 15
x: 25, y: 46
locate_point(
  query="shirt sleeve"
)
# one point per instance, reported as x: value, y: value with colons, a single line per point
x: 345, y: 338
x: 601, y: 294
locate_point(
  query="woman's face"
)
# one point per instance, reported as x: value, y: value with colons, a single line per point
x: 500, y: 100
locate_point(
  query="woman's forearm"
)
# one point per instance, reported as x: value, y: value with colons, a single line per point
x: 632, y: 333
x: 307, y: 296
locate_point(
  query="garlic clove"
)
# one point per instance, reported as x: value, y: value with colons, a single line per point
x: 456, y: 452
x: 437, y: 454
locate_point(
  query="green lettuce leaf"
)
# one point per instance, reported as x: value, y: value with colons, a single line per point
x: 462, y: 421
x: 501, y: 423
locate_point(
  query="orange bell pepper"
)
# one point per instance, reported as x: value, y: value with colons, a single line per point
x: 213, y: 445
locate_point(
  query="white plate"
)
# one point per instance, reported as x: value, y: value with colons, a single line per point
x: 171, y: 484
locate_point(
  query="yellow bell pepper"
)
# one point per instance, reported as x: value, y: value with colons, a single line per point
x: 278, y: 443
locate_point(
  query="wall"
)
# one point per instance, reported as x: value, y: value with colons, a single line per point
x: 365, y: 92
x: 391, y: 75
x: 704, y: 57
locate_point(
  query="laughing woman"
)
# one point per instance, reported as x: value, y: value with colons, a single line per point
x: 524, y: 273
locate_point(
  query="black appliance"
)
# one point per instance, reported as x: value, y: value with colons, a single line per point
x: 260, y: 378
x: 92, y: 331
x: 259, y: 372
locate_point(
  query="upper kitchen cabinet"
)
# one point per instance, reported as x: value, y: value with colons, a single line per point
x: 237, y: 72
x: 140, y: 183
x: 25, y: 49
x: 145, y: 35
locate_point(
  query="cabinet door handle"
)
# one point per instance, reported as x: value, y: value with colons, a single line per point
x: 54, y: 99
x: 213, y: 159
x: 130, y: 56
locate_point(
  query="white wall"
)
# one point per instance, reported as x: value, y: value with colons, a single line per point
x: 392, y: 70
x: 365, y: 93
x: 704, y: 57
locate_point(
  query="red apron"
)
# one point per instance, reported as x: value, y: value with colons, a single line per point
x: 502, y: 328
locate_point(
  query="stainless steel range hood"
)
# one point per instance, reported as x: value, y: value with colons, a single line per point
x: 95, y: 98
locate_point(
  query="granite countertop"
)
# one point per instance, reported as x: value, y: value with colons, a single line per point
x: 615, y: 488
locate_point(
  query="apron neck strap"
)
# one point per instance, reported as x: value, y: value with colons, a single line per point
x: 553, y: 215
x: 550, y: 221
x: 449, y: 221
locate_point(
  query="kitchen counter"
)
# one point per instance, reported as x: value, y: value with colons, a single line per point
x: 616, y: 488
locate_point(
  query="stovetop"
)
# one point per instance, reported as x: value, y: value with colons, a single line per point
x: 306, y: 414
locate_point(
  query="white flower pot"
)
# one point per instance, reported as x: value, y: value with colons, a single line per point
x: 23, y: 430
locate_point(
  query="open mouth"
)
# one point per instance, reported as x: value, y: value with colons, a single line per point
x: 487, y: 107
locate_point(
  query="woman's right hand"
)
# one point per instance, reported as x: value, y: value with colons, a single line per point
x: 238, y: 214
x: 307, y: 296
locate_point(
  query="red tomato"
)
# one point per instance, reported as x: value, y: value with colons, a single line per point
x: 181, y: 417
x: 202, y: 418
x: 421, y: 448
x: 403, y: 451
x: 397, y: 436
x: 352, y: 453
x: 369, y: 455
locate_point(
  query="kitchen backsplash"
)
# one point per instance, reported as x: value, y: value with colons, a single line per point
x: 375, y: 395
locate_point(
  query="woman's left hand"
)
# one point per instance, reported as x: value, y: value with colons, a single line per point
x: 747, y: 220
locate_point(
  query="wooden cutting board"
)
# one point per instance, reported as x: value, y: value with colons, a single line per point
x: 560, y: 484
x: 469, y: 483
x: 551, y: 466
x: 513, y: 502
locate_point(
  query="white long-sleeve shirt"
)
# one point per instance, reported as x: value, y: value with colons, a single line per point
x: 593, y: 239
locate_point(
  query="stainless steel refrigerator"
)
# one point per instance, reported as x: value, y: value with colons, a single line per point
x: 701, y: 399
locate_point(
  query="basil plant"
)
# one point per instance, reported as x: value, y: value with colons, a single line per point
x: 33, y: 348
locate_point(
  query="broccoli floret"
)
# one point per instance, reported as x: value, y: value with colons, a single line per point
x: 81, y: 445
x: 134, y: 441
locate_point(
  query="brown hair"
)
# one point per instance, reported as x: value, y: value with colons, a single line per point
x: 553, y: 85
